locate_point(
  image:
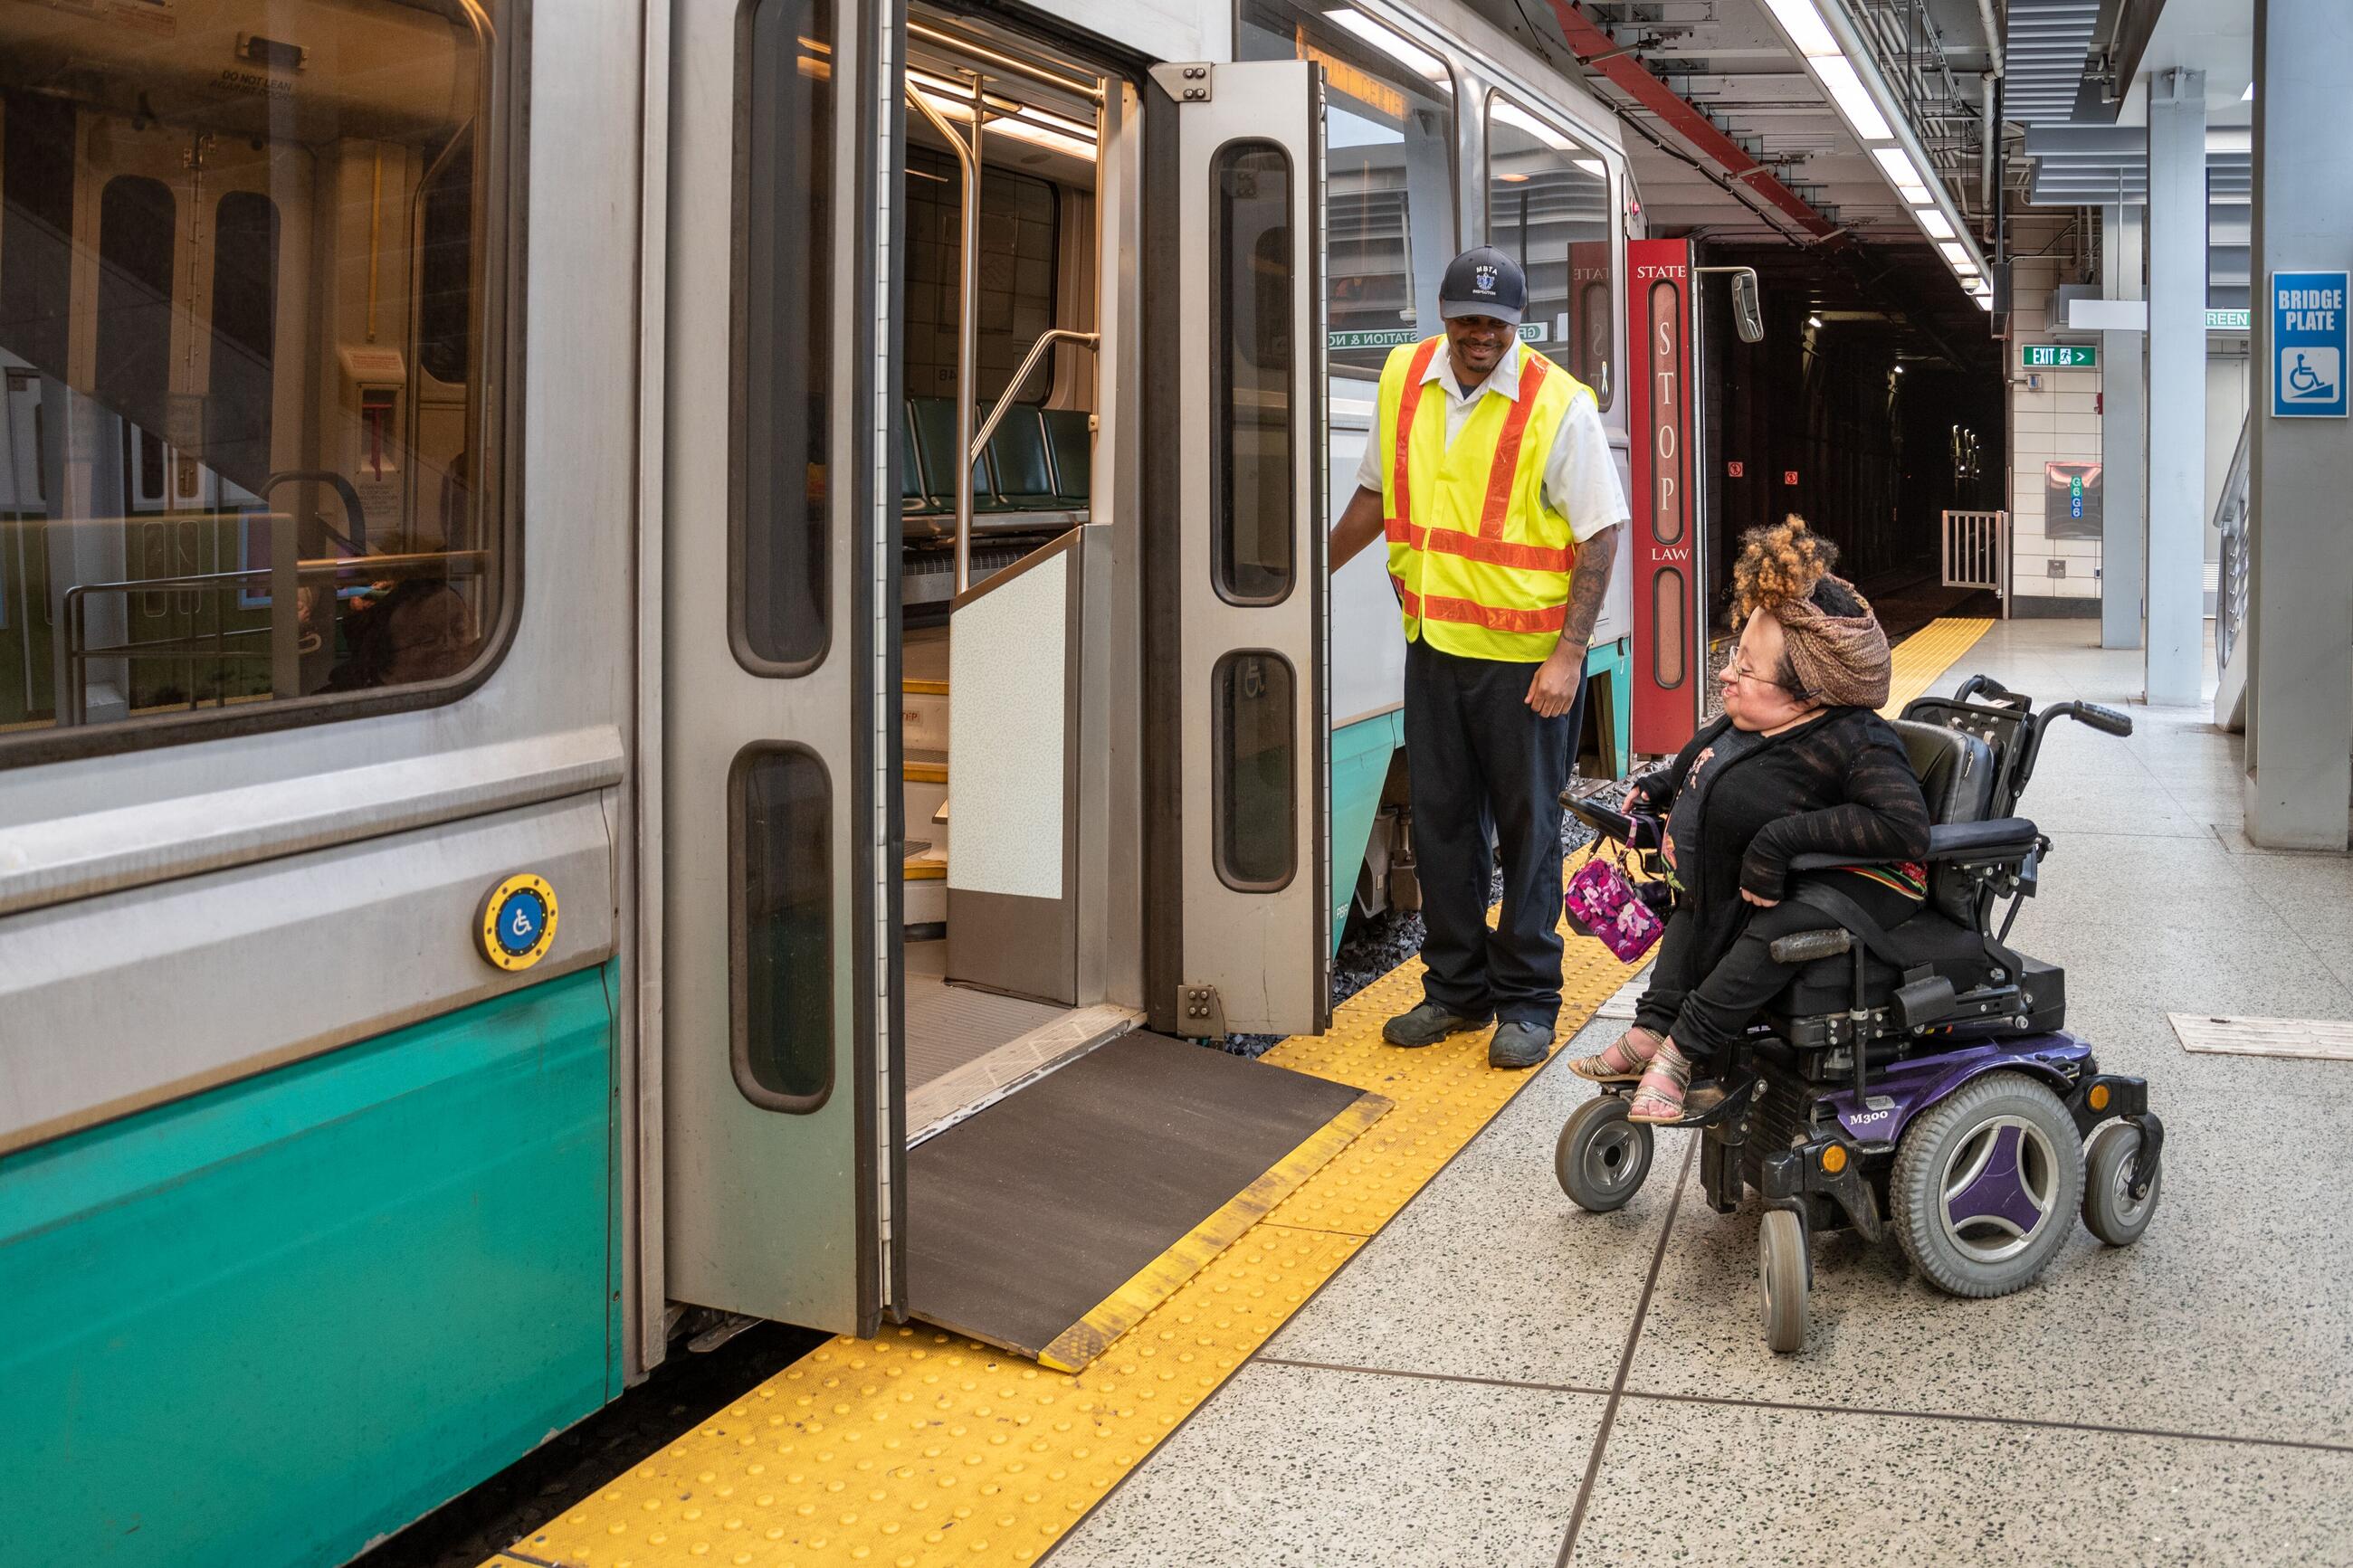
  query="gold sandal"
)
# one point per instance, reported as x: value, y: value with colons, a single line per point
x: 1621, y: 1061
x: 1659, y: 1098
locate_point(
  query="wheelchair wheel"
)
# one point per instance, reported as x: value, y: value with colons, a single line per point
x: 1781, y: 1279
x: 2110, y: 1211
x: 1602, y: 1157
x: 1984, y: 1185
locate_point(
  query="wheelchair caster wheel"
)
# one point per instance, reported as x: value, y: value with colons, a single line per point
x: 2110, y: 1211
x: 1781, y: 1279
x: 1983, y: 1185
x: 1602, y: 1157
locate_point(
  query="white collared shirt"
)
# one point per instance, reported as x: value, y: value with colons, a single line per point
x: 1580, y: 480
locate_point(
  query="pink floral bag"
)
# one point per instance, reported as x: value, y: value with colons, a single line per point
x: 1601, y: 900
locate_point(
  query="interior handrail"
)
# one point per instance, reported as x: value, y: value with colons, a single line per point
x: 1047, y: 339
x: 968, y: 308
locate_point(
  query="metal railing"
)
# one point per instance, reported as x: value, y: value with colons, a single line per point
x: 1974, y: 553
x: 278, y: 639
x: 2237, y: 522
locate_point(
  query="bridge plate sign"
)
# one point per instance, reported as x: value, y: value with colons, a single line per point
x: 2308, y: 345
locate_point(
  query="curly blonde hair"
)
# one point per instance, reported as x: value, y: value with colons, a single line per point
x: 1778, y: 565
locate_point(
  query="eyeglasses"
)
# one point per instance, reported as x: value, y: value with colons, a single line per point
x: 1742, y: 672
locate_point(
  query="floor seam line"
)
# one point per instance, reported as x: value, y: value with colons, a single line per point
x: 1625, y: 1362
x: 1972, y: 1417
x: 1472, y: 1378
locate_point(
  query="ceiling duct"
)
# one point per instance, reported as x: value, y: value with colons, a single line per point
x: 2046, y: 43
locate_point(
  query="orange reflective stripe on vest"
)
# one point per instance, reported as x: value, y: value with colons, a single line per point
x: 1481, y: 561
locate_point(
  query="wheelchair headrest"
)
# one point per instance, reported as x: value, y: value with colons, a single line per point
x: 1956, y: 771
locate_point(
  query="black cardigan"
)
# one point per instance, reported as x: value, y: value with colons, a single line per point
x: 1840, y: 785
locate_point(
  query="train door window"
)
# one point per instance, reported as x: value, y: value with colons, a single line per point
x: 778, y: 549
x: 1548, y: 208
x: 1250, y: 393
x: 214, y: 372
x: 1255, y: 797
x: 780, y: 847
x: 1388, y: 170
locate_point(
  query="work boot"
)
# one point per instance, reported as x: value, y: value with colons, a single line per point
x: 1519, y: 1045
x: 1426, y: 1025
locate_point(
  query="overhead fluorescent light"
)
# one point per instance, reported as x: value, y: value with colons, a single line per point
x: 1914, y: 196
x: 1846, y: 91
x: 1804, y: 25
x: 1956, y: 253
x: 1898, y: 165
x: 1412, y: 56
x: 1022, y: 121
x: 1985, y: 300
x: 1511, y: 114
x: 2248, y: 95
x: 1935, y: 222
x: 1592, y: 166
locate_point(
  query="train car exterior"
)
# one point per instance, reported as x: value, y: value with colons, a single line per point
x: 459, y: 662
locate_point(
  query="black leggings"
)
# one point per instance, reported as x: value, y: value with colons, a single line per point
x: 1707, y: 1012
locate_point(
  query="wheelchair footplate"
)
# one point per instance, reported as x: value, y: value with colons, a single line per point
x: 1708, y: 1102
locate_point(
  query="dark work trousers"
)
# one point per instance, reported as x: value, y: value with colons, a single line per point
x: 1703, y: 1013
x: 1480, y: 761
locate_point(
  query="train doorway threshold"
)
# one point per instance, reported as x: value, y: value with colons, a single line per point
x: 1050, y: 1222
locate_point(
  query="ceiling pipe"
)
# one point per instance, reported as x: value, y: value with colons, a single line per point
x: 1992, y: 35
x: 1595, y: 49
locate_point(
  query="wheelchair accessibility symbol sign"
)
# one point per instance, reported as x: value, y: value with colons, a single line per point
x: 2308, y: 345
x: 517, y: 923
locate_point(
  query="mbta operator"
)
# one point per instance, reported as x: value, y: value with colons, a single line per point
x: 1490, y: 473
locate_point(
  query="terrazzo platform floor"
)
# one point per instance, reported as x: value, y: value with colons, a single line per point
x: 1501, y: 1379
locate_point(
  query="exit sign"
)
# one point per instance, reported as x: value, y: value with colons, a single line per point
x: 2058, y: 356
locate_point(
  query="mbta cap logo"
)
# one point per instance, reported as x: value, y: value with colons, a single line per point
x: 1483, y: 277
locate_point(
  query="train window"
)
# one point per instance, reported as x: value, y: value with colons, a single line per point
x: 1254, y: 785
x: 1019, y: 247
x: 780, y: 847
x: 778, y: 553
x: 1548, y: 208
x: 1667, y: 627
x: 1250, y: 397
x: 1388, y: 170
x: 257, y: 486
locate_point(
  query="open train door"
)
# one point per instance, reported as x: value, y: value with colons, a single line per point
x: 1670, y: 674
x: 778, y: 871
x: 1237, y: 855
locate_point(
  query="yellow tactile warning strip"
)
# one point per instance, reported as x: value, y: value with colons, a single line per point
x: 1078, y: 1345
x: 1922, y: 659
x: 921, y: 1447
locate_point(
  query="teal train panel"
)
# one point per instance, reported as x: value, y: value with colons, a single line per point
x: 1360, y: 766
x: 272, y: 1322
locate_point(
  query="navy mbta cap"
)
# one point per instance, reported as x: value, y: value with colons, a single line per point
x: 1484, y: 282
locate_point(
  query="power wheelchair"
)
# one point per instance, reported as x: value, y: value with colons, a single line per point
x: 1917, y: 1081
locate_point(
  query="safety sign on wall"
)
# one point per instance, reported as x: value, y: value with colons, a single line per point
x: 2308, y: 345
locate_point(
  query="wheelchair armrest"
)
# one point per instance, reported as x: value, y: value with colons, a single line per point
x: 2003, y: 839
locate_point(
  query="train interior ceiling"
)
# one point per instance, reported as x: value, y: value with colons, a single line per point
x: 1002, y: 973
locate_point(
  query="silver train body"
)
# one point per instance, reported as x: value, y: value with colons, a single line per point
x: 474, y: 708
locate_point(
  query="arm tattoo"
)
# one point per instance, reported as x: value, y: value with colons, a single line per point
x: 1594, y: 558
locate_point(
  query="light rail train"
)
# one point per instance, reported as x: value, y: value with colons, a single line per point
x: 517, y: 528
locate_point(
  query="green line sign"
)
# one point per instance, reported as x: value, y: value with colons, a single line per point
x: 2230, y: 321
x: 2058, y: 356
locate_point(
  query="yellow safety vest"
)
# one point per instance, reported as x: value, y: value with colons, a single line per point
x: 1480, y: 560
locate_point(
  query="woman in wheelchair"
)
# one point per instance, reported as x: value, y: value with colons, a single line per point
x: 1799, y: 764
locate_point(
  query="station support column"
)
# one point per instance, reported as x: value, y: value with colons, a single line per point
x: 2124, y: 414
x: 2299, y: 613
x: 2175, y: 661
